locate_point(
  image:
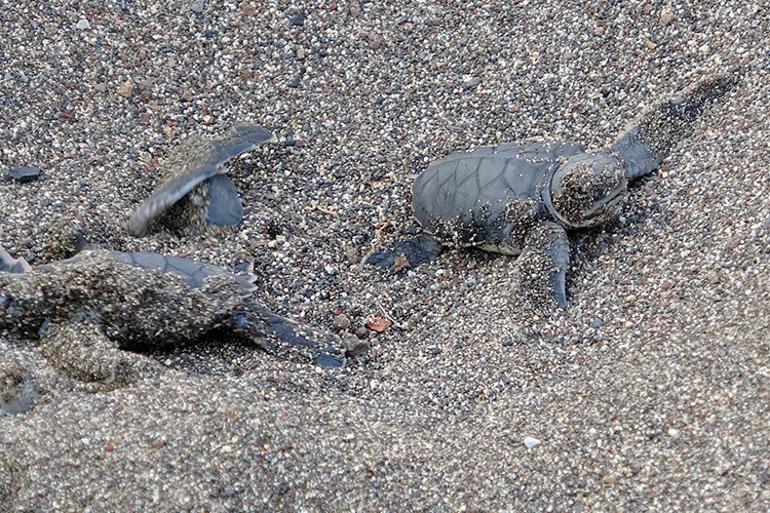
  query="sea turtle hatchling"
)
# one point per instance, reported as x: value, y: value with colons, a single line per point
x: 520, y: 198
x: 87, y: 309
x: 196, y: 193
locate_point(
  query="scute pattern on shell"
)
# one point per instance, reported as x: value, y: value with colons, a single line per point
x: 483, y: 196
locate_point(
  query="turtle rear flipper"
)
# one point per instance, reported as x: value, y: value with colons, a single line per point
x: 417, y: 251
x: 543, y: 263
x: 195, y: 161
x: 644, y: 146
x: 82, y: 351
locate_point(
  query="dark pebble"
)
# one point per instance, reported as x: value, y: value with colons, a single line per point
x: 597, y: 323
x: 355, y: 347
x: 294, y: 82
x: 297, y: 20
x: 435, y: 351
x: 341, y: 322
x: 25, y: 174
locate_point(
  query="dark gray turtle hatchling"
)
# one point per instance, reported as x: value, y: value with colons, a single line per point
x: 85, y: 310
x: 522, y: 197
x: 197, y: 193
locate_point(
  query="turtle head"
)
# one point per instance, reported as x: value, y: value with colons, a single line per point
x: 586, y: 190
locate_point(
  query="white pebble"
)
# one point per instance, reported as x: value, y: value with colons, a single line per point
x: 531, y: 442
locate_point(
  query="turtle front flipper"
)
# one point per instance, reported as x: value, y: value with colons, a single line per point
x: 415, y: 251
x: 82, y: 351
x: 8, y: 264
x: 652, y: 137
x: 543, y: 263
x: 187, y: 188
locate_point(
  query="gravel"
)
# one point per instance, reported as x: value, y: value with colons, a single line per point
x: 663, y: 405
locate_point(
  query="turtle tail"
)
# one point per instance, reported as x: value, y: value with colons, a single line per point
x: 652, y: 137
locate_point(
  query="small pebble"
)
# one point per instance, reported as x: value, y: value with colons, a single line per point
x: 531, y: 442
x: 355, y: 347
x: 341, y: 322
x: 83, y: 24
x: 471, y: 82
x: 25, y: 174
x: 126, y: 89
x: 666, y: 16
x: 196, y: 6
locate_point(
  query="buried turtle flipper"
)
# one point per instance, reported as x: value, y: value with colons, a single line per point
x: 417, y: 250
x: 82, y: 351
x: 189, y: 169
x: 8, y: 264
x: 17, y: 387
x: 276, y: 334
x: 652, y: 137
x: 543, y: 263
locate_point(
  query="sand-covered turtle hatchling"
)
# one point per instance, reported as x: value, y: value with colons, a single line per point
x: 521, y: 198
x: 85, y: 311
x: 196, y: 192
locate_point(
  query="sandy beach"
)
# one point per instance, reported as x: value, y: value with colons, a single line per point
x: 649, y: 393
